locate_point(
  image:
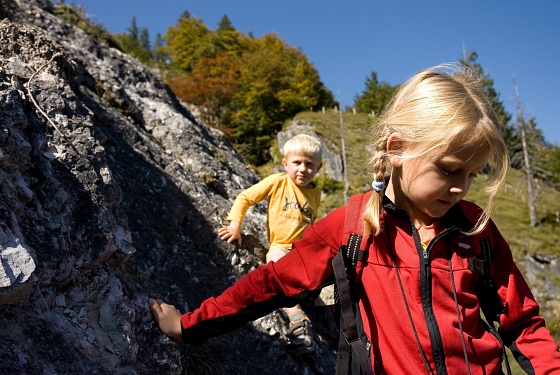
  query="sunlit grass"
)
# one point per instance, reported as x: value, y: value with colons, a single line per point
x: 511, y: 215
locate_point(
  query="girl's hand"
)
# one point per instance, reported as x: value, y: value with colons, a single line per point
x: 167, y: 317
x: 231, y: 232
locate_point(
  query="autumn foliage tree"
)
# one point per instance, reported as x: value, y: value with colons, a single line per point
x: 212, y: 85
x: 277, y: 82
x: 246, y: 86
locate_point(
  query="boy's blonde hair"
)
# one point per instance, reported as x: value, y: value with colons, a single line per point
x: 437, y: 110
x: 303, y: 144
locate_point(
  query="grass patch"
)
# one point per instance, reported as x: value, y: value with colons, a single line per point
x: 511, y: 215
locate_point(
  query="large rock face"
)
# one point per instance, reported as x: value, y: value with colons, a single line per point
x: 111, y: 192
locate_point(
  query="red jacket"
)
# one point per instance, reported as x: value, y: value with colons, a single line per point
x: 430, y: 297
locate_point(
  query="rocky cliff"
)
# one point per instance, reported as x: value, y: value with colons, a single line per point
x: 111, y: 192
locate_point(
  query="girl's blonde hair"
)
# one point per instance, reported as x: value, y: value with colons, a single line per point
x: 303, y: 144
x: 439, y: 108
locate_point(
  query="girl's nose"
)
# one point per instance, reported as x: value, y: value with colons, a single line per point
x: 460, y: 186
x: 456, y: 190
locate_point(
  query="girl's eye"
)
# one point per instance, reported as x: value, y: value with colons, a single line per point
x: 446, y: 172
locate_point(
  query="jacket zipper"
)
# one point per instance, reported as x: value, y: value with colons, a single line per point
x: 426, y: 293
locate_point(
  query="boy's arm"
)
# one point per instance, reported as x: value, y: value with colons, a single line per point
x: 248, y: 197
x: 244, y: 200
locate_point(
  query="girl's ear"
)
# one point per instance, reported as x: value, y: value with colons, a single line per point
x: 395, y: 149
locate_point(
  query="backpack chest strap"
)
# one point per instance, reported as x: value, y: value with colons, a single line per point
x: 351, y: 251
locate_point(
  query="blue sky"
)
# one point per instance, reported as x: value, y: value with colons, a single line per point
x: 347, y: 40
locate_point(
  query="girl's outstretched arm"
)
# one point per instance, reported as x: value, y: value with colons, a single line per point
x: 167, y: 317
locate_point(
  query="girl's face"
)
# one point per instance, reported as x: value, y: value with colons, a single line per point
x: 428, y: 186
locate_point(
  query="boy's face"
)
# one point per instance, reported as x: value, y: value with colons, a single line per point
x: 301, y: 169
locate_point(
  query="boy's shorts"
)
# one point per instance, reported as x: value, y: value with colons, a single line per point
x: 326, y: 298
x: 275, y: 253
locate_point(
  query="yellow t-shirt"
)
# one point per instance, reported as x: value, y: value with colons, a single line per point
x: 290, y: 208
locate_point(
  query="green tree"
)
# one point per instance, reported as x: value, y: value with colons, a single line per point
x: 227, y: 39
x: 551, y: 164
x: 543, y: 157
x: 136, y: 42
x: 159, y: 52
x: 504, y: 118
x: 144, y: 40
x: 187, y: 42
x: 277, y: 82
x: 375, y: 96
x: 225, y: 24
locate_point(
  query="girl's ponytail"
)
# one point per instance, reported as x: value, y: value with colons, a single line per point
x: 374, y: 205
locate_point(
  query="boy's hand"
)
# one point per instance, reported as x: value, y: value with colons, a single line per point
x: 167, y: 317
x: 231, y: 232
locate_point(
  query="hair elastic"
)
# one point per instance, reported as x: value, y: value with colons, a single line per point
x: 378, y: 186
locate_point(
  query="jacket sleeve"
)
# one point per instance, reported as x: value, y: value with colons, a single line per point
x: 298, y: 274
x: 524, y: 329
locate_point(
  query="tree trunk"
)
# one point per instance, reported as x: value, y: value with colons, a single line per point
x: 528, y: 168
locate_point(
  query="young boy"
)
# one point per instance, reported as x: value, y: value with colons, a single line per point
x: 293, y: 199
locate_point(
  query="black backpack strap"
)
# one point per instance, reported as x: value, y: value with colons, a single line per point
x: 350, y: 340
x: 351, y: 348
x: 487, y: 294
x: 490, y: 302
